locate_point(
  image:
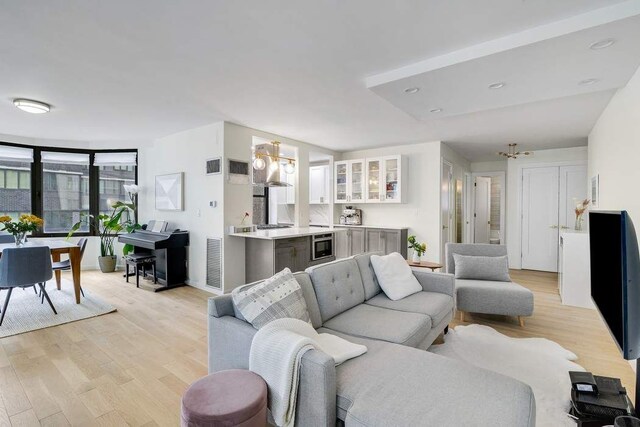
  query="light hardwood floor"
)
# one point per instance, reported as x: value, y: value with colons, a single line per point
x: 131, y: 367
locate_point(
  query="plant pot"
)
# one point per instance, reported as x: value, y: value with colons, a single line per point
x: 107, y: 263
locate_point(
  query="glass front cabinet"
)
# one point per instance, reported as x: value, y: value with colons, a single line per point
x: 372, y: 180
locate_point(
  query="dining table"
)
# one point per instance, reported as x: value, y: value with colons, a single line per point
x: 58, y: 247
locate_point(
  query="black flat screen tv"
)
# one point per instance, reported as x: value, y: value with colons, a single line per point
x: 615, y: 277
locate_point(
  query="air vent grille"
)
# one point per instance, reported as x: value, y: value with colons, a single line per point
x: 213, y: 166
x: 214, y: 263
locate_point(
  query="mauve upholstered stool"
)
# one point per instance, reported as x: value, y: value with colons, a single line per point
x: 235, y: 397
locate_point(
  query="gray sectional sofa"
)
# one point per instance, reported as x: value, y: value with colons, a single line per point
x: 397, y: 382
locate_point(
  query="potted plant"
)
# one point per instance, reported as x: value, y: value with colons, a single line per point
x: 19, y: 228
x: 107, y: 227
x: 418, y: 248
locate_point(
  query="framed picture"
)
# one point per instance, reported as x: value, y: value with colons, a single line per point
x: 169, y: 192
x: 595, y: 190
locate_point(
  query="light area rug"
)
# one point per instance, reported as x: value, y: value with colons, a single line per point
x: 25, y: 313
x: 538, y: 362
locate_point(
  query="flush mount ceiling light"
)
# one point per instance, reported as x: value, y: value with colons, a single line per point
x: 412, y: 90
x: 602, y: 44
x: 498, y: 85
x: 588, y: 82
x: 512, y: 153
x: 436, y: 110
x: 31, y: 106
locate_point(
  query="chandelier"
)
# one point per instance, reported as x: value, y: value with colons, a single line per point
x: 512, y: 153
x: 259, y: 163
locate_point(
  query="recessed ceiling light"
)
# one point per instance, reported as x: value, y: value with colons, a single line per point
x: 602, y: 44
x: 436, y: 110
x: 588, y: 82
x: 498, y: 85
x: 31, y: 106
x: 412, y: 90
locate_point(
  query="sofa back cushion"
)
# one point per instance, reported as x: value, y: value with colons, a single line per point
x: 338, y: 286
x: 369, y: 279
x: 471, y: 249
x: 309, y: 296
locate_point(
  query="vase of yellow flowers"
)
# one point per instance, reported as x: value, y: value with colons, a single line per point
x: 20, y: 227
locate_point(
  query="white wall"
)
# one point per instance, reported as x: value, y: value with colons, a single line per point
x: 559, y: 156
x: 421, y: 213
x: 494, y: 166
x: 186, y: 152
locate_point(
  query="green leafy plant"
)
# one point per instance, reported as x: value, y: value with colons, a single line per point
x: 420, y: 248
x: 106, y: 226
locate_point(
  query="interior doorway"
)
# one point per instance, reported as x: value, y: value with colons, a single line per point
x: 488, y: 206
x: 446, y: 206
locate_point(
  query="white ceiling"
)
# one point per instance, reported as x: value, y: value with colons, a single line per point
x: 123, y: 70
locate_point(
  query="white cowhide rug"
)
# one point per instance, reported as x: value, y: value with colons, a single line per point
x: 538, y: 362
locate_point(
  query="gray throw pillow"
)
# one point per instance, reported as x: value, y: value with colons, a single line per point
x: 494, y: 268
x: 277, y: 297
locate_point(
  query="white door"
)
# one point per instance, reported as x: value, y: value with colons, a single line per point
x: 317, y: 186
x: 445, y: 204
x: 540, y: 218
x: 374, y: 187
x: 356, y: 181
x: 572, y: 190
x: 392, y: 179
x: 482, y: 214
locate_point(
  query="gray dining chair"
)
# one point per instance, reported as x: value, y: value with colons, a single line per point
x: 24, y: 268
x: 66, y: 264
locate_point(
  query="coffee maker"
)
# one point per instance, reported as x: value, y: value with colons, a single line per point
x: 351, y: 216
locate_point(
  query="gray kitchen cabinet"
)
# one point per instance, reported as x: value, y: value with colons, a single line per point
x: 387, y: 240
x: 349, y: 243
x: 264, y: 258
x: 292, y: 253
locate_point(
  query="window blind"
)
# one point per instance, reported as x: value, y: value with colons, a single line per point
x: 16, y: 154
x: 115, y: 159
x: 66, y: 158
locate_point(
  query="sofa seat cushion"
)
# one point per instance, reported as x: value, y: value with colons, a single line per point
x: 402, y: 386
x: 382, y: 324
x: 489, y: 297
x: 434, y: 304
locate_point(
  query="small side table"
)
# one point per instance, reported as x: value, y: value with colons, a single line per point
x: 425, y: 264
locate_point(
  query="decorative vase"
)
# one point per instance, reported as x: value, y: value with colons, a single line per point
x: 21, y: 238
x: 107, y: 263
x: 578, y: 226
x: 416, y: 257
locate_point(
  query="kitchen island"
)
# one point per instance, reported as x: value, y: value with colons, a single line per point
x: 270, y: 251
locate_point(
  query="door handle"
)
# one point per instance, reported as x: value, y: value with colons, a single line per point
x: 553, y: 226
x: 564, y: 227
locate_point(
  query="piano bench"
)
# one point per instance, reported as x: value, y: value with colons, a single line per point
x: 140, y: 260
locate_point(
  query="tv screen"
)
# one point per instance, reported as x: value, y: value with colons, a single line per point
x: 615, y: 270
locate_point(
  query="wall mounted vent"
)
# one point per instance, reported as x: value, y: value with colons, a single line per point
x: 214, y: 166
x: 238, y: 172
x: 214, y: 263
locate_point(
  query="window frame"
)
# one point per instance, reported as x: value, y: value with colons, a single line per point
x: 37, y: 184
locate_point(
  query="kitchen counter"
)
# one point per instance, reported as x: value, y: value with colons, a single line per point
x: 287, y: 233
x: 386, y: 227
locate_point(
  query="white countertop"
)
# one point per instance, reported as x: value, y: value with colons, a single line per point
x: 286, y: 233
x: 388, y: 227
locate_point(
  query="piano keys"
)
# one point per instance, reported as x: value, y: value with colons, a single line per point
x: 170, y: 250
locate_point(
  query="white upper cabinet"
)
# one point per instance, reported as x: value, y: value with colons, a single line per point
x: 349, y: 181
x: 372, y: 180
x: 319, y: 184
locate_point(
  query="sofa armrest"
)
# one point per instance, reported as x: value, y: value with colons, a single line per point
x: 221, y: 305
x: 229, y: 341
x: 442, y: 283
x: 316, y: 404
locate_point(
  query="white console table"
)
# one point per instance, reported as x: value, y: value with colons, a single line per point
x: 574, y: 278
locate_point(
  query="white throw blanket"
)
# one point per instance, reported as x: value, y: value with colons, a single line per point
x: 276, y: 351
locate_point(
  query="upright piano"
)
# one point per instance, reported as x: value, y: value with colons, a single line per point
x: 170, y: 250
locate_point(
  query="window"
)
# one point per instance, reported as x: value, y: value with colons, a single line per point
x: 66, y: 185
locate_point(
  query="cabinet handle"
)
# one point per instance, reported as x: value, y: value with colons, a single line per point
x: 294, y: 253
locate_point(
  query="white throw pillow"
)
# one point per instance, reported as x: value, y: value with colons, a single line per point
x: 395, y: 276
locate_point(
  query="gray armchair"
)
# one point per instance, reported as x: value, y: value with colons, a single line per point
x: 23, y: 268
x: 487, y: 296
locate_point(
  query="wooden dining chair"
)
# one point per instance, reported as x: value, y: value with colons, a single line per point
x: 24, y: 268
x: 66, y: 264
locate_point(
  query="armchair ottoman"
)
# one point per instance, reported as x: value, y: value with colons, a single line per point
x: 487, y: 296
